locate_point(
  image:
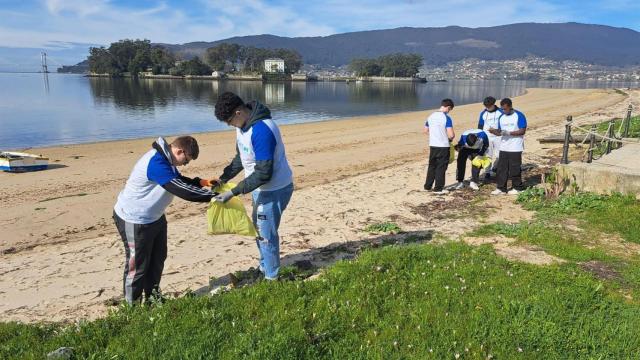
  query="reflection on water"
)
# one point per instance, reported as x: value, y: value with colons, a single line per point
x: 274, y: 93
x: 77, y: 109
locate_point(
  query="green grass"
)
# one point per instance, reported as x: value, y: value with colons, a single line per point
x: 601, y: 147
x: 600, y: 219
x: 415, y: 301
x: 383, y: 227
x: 612, y: 214
x: 634, y: 126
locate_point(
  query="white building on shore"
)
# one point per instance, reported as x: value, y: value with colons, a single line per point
x: 274, y: 65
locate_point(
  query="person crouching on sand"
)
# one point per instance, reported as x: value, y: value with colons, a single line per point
x: 139, y: 211
x: 268, y: 177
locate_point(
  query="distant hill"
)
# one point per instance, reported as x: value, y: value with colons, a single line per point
x: 79, y: 68
x: 596, y: 44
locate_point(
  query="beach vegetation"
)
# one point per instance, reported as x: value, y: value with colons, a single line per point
x: 414, y: 301
x: 383, y: 227
x: 634, y: 127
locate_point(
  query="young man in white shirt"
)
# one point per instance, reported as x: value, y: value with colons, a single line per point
x: 512, y: 125
x: 261, y: 154
x: 439, y: 127
x: 489, y: 119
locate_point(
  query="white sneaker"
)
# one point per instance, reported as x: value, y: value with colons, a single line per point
x: 498, y: 192
x: 513, y: 192
x: 458, y: 186
x: 474, y: 186
x: 441, y: 192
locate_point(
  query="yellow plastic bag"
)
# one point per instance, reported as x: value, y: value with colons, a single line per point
x: 452, y: 153
x: 230, y: 217
x: 481, y: 162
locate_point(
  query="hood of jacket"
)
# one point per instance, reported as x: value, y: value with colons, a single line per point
x: 258, y: 112
x: 162, y: 147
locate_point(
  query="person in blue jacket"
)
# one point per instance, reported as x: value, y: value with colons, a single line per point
x: 139, y: 211
x: 267, y: 175
x: 472, y: 143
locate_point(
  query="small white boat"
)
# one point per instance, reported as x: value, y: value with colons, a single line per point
x: 12, y: 161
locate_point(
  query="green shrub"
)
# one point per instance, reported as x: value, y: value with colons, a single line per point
x: 383, y: 227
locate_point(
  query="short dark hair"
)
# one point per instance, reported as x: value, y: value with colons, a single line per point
x: 489, y: 100
x: 506, y: 101
x: 447, y: 102
x: 226, y: 104
x: 471, y: 139
x: 188, y: 144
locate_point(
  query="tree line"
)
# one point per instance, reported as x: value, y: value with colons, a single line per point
x: 135, y: 56
x: 234, y: 57
x: 392, y: 65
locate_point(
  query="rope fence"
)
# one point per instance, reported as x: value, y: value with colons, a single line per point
x: 599, y: 144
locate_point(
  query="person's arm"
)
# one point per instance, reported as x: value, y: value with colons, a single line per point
x: 485, y: 144
x: 264, y: 148
x: 233, y: 169
x: 518, y: 132
x: 425, y: 129
x: 162, y: 173
x: 481, y: 120
x: 522, y: 125
x: 186, y: 188
x: 497, y: 131
x: 449, y: 126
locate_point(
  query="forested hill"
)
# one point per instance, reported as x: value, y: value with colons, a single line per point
x: 597, y: 44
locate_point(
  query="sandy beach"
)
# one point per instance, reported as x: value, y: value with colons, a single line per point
x: 61, y: 258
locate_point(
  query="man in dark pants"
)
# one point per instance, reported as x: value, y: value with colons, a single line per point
x: 139, y: 211
x: 439, y: 127
x: 512, y: 125
x: 474, y: 142
x: 489, y: 119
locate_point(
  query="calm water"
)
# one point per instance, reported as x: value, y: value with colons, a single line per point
x: 70, y: 109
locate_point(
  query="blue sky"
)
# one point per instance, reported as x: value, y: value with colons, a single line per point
x: 65, y: 28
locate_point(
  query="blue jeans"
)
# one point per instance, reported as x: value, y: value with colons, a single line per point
x: 267, y: 211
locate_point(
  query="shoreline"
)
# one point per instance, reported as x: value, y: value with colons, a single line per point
x: 212, y: 132
x: 61, y: 258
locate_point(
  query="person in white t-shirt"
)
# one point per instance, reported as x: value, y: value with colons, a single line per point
x: 512, y: 125
x: 489, y: 119
x: 439, y: 127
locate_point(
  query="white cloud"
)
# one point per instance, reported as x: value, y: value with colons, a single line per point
x: 103, y: 21
x: 76, y: 7
x: 252, y: 17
